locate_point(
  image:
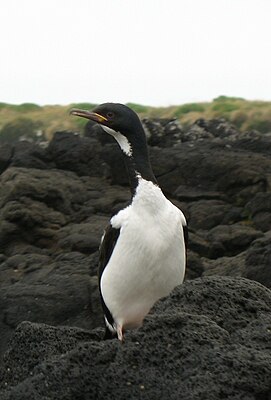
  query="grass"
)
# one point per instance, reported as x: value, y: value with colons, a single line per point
x: 246, y: 115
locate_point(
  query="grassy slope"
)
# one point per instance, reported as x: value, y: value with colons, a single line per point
x: 243, y: 113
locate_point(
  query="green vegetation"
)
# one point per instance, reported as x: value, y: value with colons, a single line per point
x: 223, y: 108
x: 223, y: 105
x: 138, y: 108
x: 84, y: 106
x: 188, y: 108
x: 24, y: 107
x: 246, y: 115
x: 260, y: 125
x: 227, y: 98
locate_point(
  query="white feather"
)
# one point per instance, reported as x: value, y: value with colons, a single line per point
x: 122, y: 140
x: 148, y: 260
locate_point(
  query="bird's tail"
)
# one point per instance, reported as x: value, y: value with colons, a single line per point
x: 108, y: 334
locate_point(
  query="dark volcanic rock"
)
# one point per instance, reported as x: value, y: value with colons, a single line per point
x: 258, y: 208
x: 254, y: 263
x: 116, y: 170
x: 195, y: 267
x: 212, y: 167
x: 75, y: 153
x: 24, y: 154
x: 219, y: 127
x: 48, y: 265
x: 6, y: 152
x: 163, y: 132
x: 95, y: 131
x: 208, y: 340
x: 36, y: 205
x: 258, y: 260
x: 206, y: 214
x: 225, y: 266
x: 233, y: 238
x: 30, y: 155
x: 55, y: 291
x: 254, y: 142
x: 223, y: 240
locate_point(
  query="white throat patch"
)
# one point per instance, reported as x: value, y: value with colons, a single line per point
x: 123, y: 142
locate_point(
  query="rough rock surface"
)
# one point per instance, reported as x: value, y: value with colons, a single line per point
x: 209, y: 340
x: 55, y: 203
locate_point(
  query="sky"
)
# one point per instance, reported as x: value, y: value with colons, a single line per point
x: 153, y: 52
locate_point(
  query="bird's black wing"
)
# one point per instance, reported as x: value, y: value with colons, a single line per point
x: 185, y: 234
x: 106, y: 249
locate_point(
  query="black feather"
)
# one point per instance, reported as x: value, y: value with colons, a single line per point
x: 108, y: 334
x: 185, y: 234
x: 106, y: 249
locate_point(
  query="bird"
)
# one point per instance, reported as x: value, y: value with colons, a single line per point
x: 143, y: 248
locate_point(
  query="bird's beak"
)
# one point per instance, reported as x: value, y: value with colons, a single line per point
x: 89, y: 115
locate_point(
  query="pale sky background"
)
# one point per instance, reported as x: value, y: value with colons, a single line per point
x: 154, y: 52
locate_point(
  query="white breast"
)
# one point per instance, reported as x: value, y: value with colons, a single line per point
x: 148, y: 260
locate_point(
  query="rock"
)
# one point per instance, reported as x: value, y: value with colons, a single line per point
x: 13, y: 268
x: 254, y: 142
x: 219, y: 127
x: 116, y: 170
x: 190, y: 193
x: 36, y: 205
x: 225, y: 266
x: 84, y: 237
x: 30, y: 155
x: 194, y: 266
x: 210, y: 129
x: 93, y: 130
x: 33, y: 203
x: 206, y: 214
x: 208, y: 333
x: 41, y: 341
x: 258, y: 209
x: 50, y: 234
x: 234, y: 238
x: 222, y: 240
x: 6, y: 152
x: 258, y: 260
x: 24, y: 154
x: 74, y: 153
x: 38, y: 213
x: 162, y: 132
x: 254, y: 263
x: 197, y: 131
x: 212, y: 167
x: 198, y: 243
x: 54, y: 290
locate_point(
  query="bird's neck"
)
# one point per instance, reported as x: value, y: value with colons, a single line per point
x: 138, y: 166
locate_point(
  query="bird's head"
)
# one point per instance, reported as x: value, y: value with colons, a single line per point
x: 119, y: 121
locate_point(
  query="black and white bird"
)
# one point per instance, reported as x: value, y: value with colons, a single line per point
x: 142, y: 253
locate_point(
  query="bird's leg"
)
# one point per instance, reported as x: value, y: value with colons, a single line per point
x: 120, y: 333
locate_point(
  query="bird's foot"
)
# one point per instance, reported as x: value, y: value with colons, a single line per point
x: 120, y: 333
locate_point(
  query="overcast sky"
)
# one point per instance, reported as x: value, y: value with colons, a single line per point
x: 154, y: 52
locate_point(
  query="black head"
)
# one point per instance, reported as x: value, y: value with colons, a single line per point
x: 124, y: 125
x: 117, y: 117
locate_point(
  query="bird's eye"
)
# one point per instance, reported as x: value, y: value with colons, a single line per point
x: 110, y: 114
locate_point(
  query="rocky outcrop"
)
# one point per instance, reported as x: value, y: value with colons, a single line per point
x: 55, y: 203
x: 51, y: 225
x: 209, y: 339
